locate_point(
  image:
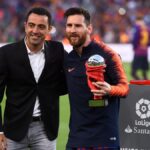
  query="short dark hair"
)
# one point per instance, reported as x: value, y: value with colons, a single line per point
x: 78, y: 11
x: 39, y: 11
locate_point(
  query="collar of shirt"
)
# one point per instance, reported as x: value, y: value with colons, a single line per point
x: 30, y: 52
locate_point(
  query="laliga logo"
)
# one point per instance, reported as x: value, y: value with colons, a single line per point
x: 143, y: 108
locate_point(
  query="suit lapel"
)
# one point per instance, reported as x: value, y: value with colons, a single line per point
x: 47, y: 55
x: 23, y: 54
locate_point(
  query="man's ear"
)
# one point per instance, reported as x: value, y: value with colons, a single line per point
x: 25, y: 25
x: 90, y: 28
x: 50, y: 28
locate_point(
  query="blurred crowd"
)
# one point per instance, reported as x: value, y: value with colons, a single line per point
x: 112, y: 19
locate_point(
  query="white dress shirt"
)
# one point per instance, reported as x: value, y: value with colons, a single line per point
x: 37, y: 61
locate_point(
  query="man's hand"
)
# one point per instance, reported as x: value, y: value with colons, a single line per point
x: 2, y: 142
x: 103, y: 88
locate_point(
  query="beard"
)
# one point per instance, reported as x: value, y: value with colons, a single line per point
x: 77, y: 40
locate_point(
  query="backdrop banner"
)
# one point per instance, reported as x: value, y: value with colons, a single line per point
x: 135, y: 119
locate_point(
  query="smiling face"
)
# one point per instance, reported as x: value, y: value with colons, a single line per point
x: 36, y: 28
x: 77, y: 31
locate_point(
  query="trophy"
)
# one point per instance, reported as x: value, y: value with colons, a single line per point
x: 95, y: 66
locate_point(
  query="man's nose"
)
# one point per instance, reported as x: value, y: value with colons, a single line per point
x: 73, y: 29
x: 35, y: 29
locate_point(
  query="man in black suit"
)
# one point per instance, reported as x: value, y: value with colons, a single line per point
x: 31, y: 74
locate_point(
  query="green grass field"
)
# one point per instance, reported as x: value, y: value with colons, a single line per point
x: 64, y: 115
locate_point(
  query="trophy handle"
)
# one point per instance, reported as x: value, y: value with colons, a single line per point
x: 95, y: 73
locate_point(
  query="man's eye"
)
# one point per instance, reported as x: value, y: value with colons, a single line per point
x: 31, y: 25
x: 42, y: 27
x: 69, y: 25
x: 78, y: 25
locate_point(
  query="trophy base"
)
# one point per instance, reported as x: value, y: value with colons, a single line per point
x: 98, y: 103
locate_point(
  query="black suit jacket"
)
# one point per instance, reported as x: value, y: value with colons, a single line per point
x: 17, y: 78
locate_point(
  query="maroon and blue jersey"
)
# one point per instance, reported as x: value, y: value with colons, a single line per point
x: 141, y: 40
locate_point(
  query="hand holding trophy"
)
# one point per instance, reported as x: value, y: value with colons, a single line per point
x: 95, y: 72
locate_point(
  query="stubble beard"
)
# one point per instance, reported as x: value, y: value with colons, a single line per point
x: 78, y: 43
